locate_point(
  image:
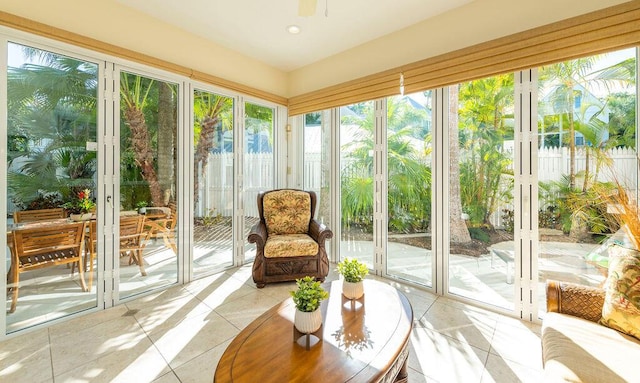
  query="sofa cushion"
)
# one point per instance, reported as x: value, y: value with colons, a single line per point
x: 287, y: 211
x: 290, y: 245
x: 621, y: 309
x: 578, y: 350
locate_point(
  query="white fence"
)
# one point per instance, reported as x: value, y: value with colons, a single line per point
x: 215, y: 195
x: 553, y: 163
x: 216, y: 190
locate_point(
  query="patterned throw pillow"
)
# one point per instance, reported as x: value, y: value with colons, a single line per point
x: 621, y: 310
x: 287, y: 212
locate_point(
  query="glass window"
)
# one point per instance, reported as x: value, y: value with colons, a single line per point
x: 52, y: 151
x: 587, y: 148
x: 213, y: 182
x: 357, y: 126
x: 481, y: 255
x: 409, y: 149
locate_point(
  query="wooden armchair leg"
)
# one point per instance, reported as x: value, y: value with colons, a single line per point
x: 91, y: 260
x: 169, y: 243
x: 140, y: 261
x: 14, y: 296
x: 83, y: 284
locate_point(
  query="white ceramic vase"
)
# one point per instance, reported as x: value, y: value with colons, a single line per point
x: 80, y: 217
x: 352, y: 290
x: 307, y: 322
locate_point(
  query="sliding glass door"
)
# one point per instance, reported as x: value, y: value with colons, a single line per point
x: 481, y: 258
x: 587, y: 151
x: 147, y: 248
x: 213, y: 182
x: 52, y: 154
x: 259, y: 164
x: 357, y: 126
x: 409, y: 253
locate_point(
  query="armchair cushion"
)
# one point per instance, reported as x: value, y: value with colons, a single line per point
x: 287, y: 212
x: 579, y: 350
x: 290, y: 245
x: 621, y: 310
x: 575, y: 347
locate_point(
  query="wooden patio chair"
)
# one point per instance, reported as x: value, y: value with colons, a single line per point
x: 133, y: 237
x: 164, y: 227
x: 38, y: 215
x: 44, y: 246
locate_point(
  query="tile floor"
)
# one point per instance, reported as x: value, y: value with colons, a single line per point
x: 179, y: 334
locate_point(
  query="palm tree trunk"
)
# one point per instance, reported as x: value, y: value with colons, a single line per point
x: 585, y: 183
x: 203, y: 148
x: 166, y: 134
x: 143, y: 152
x: 458, y: 231
x: 572, y: 148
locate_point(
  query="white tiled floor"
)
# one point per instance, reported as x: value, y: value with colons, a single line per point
x: 179, y: 334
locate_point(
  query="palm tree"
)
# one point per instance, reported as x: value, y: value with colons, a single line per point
x: 484, y: 108
x: 52, y: 114
x: 166, y: 138
x: 409, y: 178
x: 134, y: 98
x: 565, y: 78
x: 571, y: 79
x: 458, y: 231
x: 213, y: 116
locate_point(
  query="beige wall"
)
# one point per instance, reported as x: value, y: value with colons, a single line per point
x: 478, y: 21
x: 110, y: 22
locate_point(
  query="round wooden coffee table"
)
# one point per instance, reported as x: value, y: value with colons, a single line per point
x: 360, y: 341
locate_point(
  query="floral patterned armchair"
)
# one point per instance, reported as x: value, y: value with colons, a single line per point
x: 290, y: 244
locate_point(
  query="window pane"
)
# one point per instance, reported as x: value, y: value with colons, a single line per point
x: 51, y: 127
x: 409, y: 187
x: 213, y: 182
x: 356, y: 181
x: 258, y: 165
x: 587, y: 146
x: 148, y: 131
x: 317, y: 161
x: 481, y: 137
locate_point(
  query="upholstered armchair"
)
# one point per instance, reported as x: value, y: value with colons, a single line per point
x: 290, y: 244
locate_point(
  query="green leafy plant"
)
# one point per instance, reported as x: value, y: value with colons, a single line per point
x: 82, y: 203
x: 352, y: 270
x: 212, y: 218
x: 309, y: 294
x: 480, y: 234
x: 141, y: 204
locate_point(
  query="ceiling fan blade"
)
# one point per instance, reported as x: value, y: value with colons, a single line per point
x: 307, y: 7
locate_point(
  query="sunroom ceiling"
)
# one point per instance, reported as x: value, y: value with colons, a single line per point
x: 258, y: 28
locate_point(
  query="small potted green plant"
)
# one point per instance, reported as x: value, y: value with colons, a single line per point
x: 142, y: 207
x: 353, y: 273
x: 307, y: 299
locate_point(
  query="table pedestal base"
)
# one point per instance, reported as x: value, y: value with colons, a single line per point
x: 307, y: 340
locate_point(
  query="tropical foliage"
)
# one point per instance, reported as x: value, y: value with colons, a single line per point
x: 81, y: 203
x: 52, y: 115
x: 485, y: 106
x: 409, y: 176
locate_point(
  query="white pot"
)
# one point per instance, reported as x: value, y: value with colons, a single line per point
x: 80, y: 217
x: 352, y: 290
x: 307, y: 322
